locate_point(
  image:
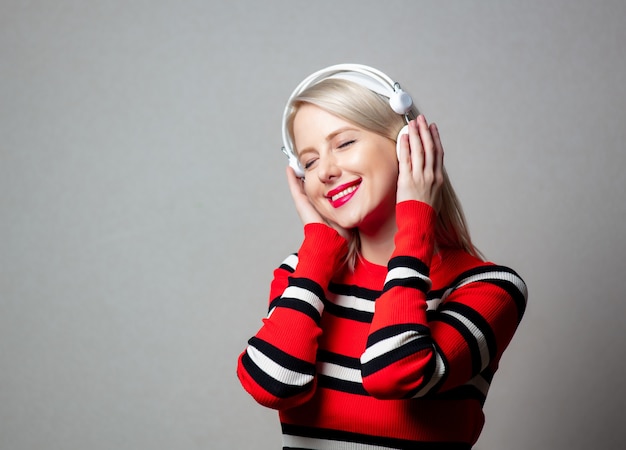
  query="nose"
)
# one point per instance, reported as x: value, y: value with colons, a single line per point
x: 327, y: 168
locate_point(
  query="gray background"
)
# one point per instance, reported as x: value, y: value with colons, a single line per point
x: 144, y: 204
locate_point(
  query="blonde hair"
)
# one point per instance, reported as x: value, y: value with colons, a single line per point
x: 371, y: 111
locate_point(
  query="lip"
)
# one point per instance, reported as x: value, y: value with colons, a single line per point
x: 352, y: 186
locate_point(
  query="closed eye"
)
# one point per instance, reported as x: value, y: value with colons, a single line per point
x: 347, y: 144
x: 309, y: 163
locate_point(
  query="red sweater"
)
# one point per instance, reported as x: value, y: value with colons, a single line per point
x: 383, y: 357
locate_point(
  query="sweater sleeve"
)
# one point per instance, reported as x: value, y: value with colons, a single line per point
x: 409, y: 354
x: 278, y: 366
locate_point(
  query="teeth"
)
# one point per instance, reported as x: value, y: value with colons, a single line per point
x: 344, y: 192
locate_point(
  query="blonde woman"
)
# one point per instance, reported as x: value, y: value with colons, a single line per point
x: 386, y: 327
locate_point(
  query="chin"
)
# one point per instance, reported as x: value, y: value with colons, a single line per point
x: 351, y: 222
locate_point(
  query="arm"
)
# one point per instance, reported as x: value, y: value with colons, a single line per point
x: 409, y: 356
x: 278, y: 366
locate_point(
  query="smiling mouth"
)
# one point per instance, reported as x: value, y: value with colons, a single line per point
x: 343, y: 193
x: 339, y: 196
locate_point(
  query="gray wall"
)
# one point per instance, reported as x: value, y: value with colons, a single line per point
x: 144, y: 205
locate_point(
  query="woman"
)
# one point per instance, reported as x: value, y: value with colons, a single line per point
x: 385, y: 329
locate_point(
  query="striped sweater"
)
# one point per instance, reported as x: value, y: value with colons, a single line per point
x: 396, y: 357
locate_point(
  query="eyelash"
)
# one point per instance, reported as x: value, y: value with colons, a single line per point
x: 308, y: 164
x: 346, y: 144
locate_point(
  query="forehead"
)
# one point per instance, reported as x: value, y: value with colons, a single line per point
x: 312, y: 124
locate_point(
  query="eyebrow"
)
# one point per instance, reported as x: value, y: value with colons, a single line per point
x: 329, y: 138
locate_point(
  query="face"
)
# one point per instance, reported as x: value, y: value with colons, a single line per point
x: 350, y: 173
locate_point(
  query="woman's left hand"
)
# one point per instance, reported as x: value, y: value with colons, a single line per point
x: 420, y: 164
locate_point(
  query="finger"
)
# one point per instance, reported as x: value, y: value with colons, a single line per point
x: 417, y: 150
x: 428, y: 145
x: 404, y: 154
x: 434, y: 130
x: 304, y: 207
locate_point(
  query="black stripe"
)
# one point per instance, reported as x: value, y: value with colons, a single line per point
x: 336, y: 384
x: 309, y: 285
x: 397, y: 354
x: 354, y: 291
x: 282, y: 358
x: 479, y: 321
x: 410, y: 262
x: 300, y: 305
x: 340, y: 360
x: 517, y: 296
x: 273, y: 303
x: 394, y: 330
x: 469, y: 338
x: 411, y: 282
x: 270, y: 384
x: 346, y: 436
x: 348, y: 313
x: 436, y: 293
x: 287, y: 267
x: 477, y: 271
x: 429, y: 372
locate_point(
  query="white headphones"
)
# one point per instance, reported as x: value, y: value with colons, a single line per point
x: 366, y: 76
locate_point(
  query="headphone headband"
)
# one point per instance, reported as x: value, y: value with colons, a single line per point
x: 366, y: 76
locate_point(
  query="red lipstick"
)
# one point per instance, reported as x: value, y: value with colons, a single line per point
x: 342, y: 194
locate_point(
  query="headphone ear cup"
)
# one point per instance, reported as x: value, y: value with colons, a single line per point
x: 400, y: 102
x: 293, y: 162
x: 295, y: 165
x: 404, y: 130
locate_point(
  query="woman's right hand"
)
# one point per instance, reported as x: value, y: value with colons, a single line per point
x: 421, y: 164
x: 307, y: 212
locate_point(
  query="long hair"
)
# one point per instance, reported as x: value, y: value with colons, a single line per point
x: 370, y: 111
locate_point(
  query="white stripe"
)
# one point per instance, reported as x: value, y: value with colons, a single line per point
x: 389, y: 344
x: 305, y: 295
x: 291, y: 261
x: 339, y: 372
x: 480, y: 383
x: 480, y: 337
x: 498, y: 275
x: 352, y: 302
x: 401, y: 273
x: 440, y: 370
x: 326, y: 444
x: 504, y: 276
x: 433, y: 303
x: 276, y: 371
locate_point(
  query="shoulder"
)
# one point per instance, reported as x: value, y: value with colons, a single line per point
x: 450, y: 264
x: 458, y: 270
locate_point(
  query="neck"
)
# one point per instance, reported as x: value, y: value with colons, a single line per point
x: 378, y: 245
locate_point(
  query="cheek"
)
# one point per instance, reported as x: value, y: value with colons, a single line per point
x: 388, y: 168
x: 312, y: 190
x: 380, y: 157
